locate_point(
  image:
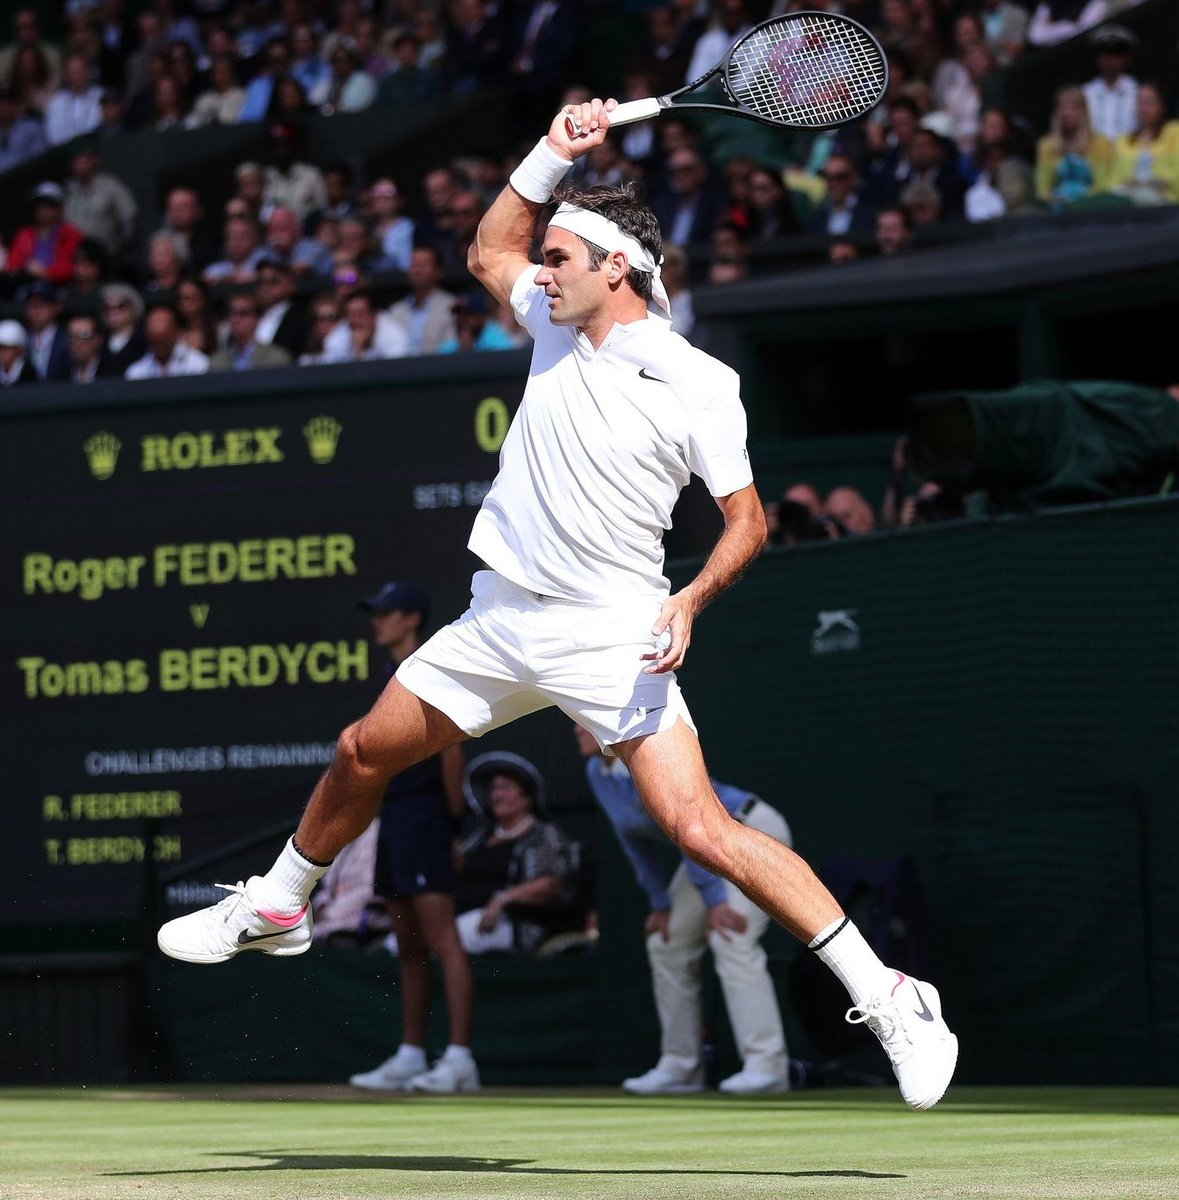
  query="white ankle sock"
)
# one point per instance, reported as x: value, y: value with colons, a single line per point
x: 288, y: 885
x: 415, y: 1053
x: 458, y: 1053
x: 842, y: 947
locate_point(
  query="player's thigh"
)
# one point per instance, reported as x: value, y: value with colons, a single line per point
x: 668, y: 769
x: 401, y: 729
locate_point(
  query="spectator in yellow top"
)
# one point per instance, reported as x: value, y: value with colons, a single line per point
x: 1146, y: 163
x: 1072, y: 161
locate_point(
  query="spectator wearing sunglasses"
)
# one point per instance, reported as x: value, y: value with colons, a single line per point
x: 242, y: 350
x: 843, y: 210
x: 122, y: 313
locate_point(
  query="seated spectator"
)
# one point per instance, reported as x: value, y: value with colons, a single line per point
x: 182, y: 66
x: 894, y: 232
x: 98, y: 203
x: 46, y: 248
x: 730, y: 256
x: 887, y: 169
x: 308, y: 68
x: 354, y: 247
x: 168, y: 354
x: 26, y: 25
x: 411, y: 82
x: 679, y: 293
x: 276, y: 65
x: 1146, y: 164
x: 1055, y: 21
x: 1072, y: 161
x: 222, y: 101
x: 15, y: 368
x: 91, y: 271
x: 956, y: 91
x: 372, y: 58
x: 351, y: 89
x: 113, y: 111
x: 184, y: 218
x: 934, y: 160
x: 475, y: 328
x: 242, y: 350
x: 730, y: 20
x: 476, y: 47
x: 165, y: 263
x: 690, y: 206
x: 392, y: 229
x: 517, y: 875
x: 73, y: 109
x: 662, y: 56
x: 850, y: 511
x: 365, y: 334
x: 84, y: 340
x: 842, y: 250
x: 843, y: 210
x: 21, y: 136
x: 47, y: 348
x: 290, y: 105
x: 285, y: 244
x: 250, y: 189
x: 283, y: 320
x: 122, y: 312
x: 922, y: 202
x: 1112, y: 97
x: 426, y: 315
x: 31, y: 80
x: 325, y: 316
x: 168, y: 111
x: 291, y: 183
x: 198, y: 325
x: 771, y: 209
x: 339, y: 202
x: 1005, y: 25
x: 1016, y: 183
x: 243, y: 253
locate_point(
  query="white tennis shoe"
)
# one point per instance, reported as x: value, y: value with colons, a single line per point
x: 216, y: 933
x: 754, y: 1083
x: 395, y: 1074
x: 659, y: 1081
x: 922, y: 1050
x: 447, y: 1076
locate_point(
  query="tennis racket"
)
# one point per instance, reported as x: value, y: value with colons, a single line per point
x: 808, y: 70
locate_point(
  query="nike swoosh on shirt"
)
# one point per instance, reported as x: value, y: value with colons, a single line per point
x: 653, y: 378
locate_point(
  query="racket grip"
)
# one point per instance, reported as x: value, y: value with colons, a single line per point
x: 624, y: 114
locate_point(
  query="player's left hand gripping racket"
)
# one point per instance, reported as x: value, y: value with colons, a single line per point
x: 809, y: 70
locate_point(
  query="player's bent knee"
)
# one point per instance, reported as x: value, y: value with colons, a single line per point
x: 699, y: 841
x: 354, y: 756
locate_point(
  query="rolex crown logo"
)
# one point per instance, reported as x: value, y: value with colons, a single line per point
x: 323, y: 435
x: 102, y: 452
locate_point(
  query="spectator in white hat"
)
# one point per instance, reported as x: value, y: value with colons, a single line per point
x: 15, y: 368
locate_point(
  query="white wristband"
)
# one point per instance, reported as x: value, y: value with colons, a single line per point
x: 540, y: 172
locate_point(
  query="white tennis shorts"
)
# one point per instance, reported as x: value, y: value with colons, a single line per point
x: 514, y: 652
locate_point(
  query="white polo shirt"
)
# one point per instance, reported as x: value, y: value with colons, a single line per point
x: 602, y: 445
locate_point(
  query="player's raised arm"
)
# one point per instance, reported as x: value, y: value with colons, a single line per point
x: 504, y: 237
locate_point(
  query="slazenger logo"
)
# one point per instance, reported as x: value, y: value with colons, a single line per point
x: 837, y: 632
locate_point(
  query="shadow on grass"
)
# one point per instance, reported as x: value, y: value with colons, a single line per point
x: 280, y: 1161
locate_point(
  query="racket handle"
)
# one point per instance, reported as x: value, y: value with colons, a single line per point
x: 624, y: 114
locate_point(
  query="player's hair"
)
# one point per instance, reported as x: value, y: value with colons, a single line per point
x: 622, y: 206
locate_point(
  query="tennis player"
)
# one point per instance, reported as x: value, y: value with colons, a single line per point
x: 574, y: 610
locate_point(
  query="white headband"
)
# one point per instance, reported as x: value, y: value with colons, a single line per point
x: 604, y: 233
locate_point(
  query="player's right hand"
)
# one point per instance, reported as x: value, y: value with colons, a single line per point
x: 591, y: 119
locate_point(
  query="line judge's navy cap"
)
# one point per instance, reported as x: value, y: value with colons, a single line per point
x: 399, y: 597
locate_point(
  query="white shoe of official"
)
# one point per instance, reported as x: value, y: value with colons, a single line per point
x: 213, y: 934
x: 754, y: 1083
x: 922, y: 1050
x: 395, y: 1074
x: 447, y: 1076
x: 659, y: 1081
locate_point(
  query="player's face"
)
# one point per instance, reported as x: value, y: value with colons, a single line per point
x: 575, y: 292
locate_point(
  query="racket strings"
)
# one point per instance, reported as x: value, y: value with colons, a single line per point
x: 809, y: 70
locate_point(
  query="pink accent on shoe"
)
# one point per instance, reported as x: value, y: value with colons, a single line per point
x: 286, y: 922
x: 900, y: 979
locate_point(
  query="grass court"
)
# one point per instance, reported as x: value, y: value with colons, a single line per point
x: 222, y: 1142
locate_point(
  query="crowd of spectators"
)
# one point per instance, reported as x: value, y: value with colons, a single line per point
x: 303, y: 261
